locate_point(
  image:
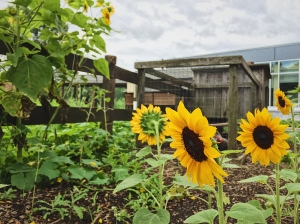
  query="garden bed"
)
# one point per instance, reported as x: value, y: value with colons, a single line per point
x: 102, y: 204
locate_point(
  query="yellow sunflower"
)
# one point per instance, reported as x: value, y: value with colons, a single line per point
x: 143, y: 124
x: 106, y: 16
x: 282, y: 102
x: 192, y: 135
x: 264, y: 137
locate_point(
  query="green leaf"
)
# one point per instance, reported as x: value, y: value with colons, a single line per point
x: 49, y: 169
x: 144, y: 152
x: 77, y: 172
x: 79, y: 210
x: 129, y: 182
x: 3, y: 185
x: 230, y: 165
x: 52, y: 5
x: 288, y: 174
x: 293, y: 187
x: 79, y: 19
x: 14, y: 58
x: 99, y: 181
x: 260, y: 179
x: 205, y: 216
x: 24, y: 3
x: 31, y: 75
x: 62, y: 159
x: 23, y: 181
x: 98, y: 42
x: 247, y: 213
x: 102, y: 66
x: 144, y: 216
x: 120, y: 173
x: 154, y: 163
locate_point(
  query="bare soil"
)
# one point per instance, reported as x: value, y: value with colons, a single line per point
x: 18, y: 210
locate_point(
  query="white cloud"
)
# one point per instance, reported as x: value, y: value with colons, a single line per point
x: 155, y: 30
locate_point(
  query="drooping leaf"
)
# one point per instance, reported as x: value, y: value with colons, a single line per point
x: 205, y: 216
x: 31, y: 75
x: 79, y: 19
x: 129, y: 182
x: 144, y: 216
x: 11, y: 108
x: 98, y: 42
x: 288, y: 174
x: 102, y: 66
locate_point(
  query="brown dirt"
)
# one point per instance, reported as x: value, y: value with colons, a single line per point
x: 18, y: 209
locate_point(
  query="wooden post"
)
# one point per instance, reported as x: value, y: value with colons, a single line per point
x: 141, y: 87
x: 232, y: 106
x: 109, y: 84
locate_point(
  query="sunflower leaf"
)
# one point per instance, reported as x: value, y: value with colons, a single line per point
x: 144, y: 152
x: 247, y: 213
x: 129, y: 182
x: 260, y: 179
x: 144, y: 216
x: 205, y: 216
x: 293, y: 187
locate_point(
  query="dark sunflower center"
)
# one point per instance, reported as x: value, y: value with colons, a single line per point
x: 281, y: 101
x: 148, y: 126
x: 263, y: 137
x: 193, y: 145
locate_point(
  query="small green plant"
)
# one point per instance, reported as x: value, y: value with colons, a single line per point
x: 7, y: 194
x: 58, y: 205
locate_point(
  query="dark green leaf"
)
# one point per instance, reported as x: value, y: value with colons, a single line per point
x: 31, y: 75
x: 49, y: 169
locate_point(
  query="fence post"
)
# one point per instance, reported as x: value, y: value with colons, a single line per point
x: 109, y: 84
x: 232, y: 106
x: 141, y: 87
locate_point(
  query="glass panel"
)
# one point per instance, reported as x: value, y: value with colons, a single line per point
x: 289, y: 66
x: 274, y: 86
x: 274, y: 67
x: 289, y: 82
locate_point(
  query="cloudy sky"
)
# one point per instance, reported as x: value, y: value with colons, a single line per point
x: 165, y: 29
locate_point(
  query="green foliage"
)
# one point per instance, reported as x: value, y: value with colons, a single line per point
x: 144, y: 216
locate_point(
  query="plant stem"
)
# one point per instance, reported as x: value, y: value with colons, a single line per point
x: 19, y: 148
x: 160, y: 174
x: 52, y: 118
x: 277, y: 206
x: 296, y: 217
x: 35, y: 179
x: 220, y: 202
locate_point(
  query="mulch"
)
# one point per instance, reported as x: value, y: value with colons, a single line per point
x: 18, y: 209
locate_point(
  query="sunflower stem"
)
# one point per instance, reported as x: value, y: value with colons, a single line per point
x: 160, y: 174
x: 296, y: 203
x: 220, y: 202
x: 278, y: 210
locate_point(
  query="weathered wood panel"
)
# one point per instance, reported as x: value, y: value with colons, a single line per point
x: 72, y: 115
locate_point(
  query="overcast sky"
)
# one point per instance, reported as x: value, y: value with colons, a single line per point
x: 165, y: 29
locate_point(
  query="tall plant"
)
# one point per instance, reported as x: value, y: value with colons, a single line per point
x: 38, y: 35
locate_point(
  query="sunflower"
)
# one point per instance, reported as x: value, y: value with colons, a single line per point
x: 282, y: 102
x: 192, y: 135
x: 143, y: 124
x: 264, y: 137
x: 106, y: 16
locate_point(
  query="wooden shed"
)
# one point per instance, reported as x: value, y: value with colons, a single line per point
x: 223, y: 87
x: 211, y: 85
